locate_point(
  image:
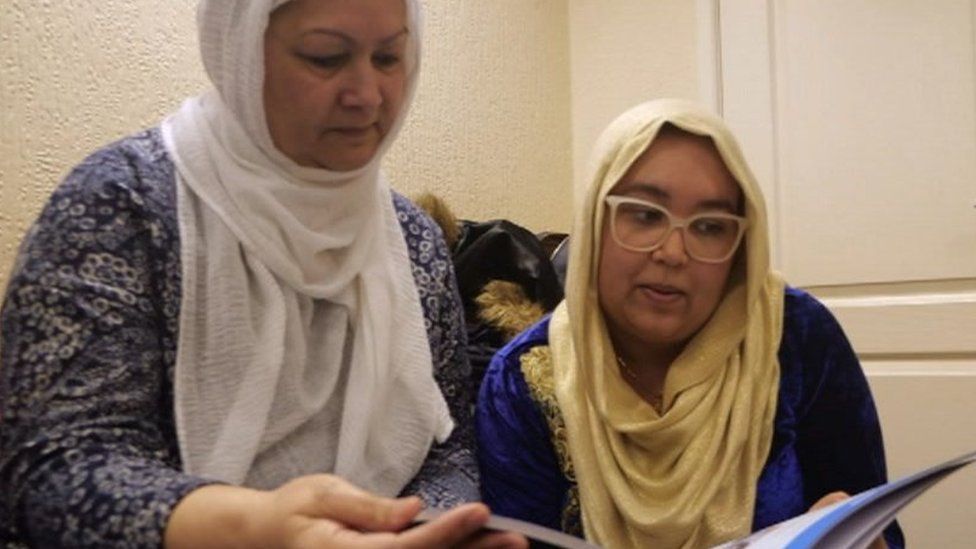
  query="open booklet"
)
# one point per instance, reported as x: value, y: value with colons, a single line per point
x: 852, y: 523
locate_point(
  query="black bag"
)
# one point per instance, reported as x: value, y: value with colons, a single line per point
x: 499, y: 250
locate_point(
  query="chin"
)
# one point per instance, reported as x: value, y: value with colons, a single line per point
x: 344, y: 166
x: 658, y: 339
x: 348, y: 160
x: 345, y: 163
x: 654, y: 333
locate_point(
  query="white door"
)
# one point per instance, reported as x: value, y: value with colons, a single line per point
x: 859, y: 117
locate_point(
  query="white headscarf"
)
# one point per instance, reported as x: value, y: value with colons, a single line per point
x: 302, y: 346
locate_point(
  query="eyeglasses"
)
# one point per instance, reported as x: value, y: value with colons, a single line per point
x: 641, y: 226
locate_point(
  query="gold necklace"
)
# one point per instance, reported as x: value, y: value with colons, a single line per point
x: 627, y: 371
x: 656, y: 400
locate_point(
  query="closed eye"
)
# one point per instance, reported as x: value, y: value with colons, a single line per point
x: 327, y: 61
x: 386, y: 60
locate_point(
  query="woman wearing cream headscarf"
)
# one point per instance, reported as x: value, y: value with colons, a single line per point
x: 682, y: 395
x: 218, y: 324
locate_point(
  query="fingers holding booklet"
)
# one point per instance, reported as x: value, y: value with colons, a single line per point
x: 449, y: 528
x: 539, y: 537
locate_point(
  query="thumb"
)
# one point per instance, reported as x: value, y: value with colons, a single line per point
x: 829, y: 499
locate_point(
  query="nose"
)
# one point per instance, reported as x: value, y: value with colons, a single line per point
x: 672, y: 251
x: 361, y: 86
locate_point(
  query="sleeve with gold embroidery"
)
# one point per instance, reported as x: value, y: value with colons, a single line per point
x: 522, y: 475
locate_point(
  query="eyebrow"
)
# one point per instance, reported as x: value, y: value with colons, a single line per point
x: 349, y: 39
x: 658, y: 193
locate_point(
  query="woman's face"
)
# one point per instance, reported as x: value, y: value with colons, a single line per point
x: 658, y: 300
x: 335, y: 77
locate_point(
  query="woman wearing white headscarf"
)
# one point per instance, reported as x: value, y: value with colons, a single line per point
x: 212, y: 318
x: 681, y: 395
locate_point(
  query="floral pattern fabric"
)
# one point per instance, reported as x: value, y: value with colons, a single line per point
x: 89, y: 327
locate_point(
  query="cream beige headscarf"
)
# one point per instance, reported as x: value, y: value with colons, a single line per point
x: 687, y: 478
x: 302, y: 346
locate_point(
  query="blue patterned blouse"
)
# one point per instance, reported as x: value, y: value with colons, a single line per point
x: 826, y: 434
x: 88, y: 450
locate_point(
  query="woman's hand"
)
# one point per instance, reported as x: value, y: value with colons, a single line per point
x: 321, y: 511
x: 835, y: 497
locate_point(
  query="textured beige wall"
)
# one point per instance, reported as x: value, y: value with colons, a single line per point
x: 625, y: 52
x: 489, y: 131
x: 76, y: 75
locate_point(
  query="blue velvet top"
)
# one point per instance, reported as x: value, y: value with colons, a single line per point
x: 826, y: 435
x: 88, y: 450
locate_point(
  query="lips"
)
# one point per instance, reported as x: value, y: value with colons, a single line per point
x: 661, y: 293
x: 353, y: 131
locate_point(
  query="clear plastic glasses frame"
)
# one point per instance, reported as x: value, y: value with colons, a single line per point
x: 705, y: 234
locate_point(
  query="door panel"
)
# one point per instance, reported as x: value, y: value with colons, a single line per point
x: 859, y: 118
